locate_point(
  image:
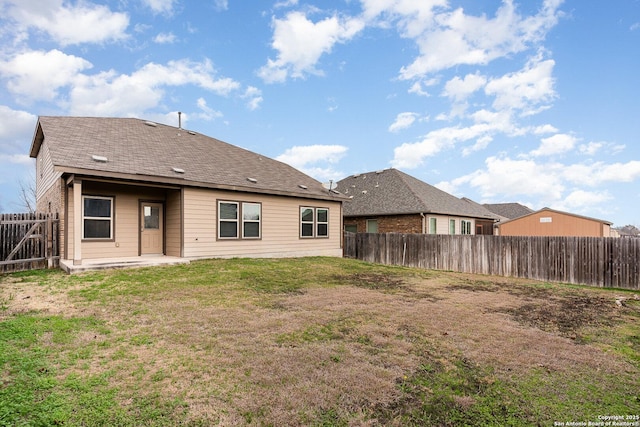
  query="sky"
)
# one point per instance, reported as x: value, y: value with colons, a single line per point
x: 535, y: 102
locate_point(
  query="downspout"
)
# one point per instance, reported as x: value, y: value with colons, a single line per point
x: 424, y: 223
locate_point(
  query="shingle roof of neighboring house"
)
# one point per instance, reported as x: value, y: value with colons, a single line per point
x: 392, y: 192
x: 145, y: 151
x: 508, y: 210
x: 603, y: 221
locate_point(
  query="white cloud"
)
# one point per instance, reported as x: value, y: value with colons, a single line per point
x: 412, y: 17
x: 418, y: 90
x: 208, y: 113
x: 403, y: 121
x: 38, y: 75
x: 411, y: 155
x: 481, y: 144
x: 300, y: 44
x: 69, y: 24
x: 160, y: 6
x: 18, y: 159
x: 254, y: 96
x: 591, y: 148
x: 556, y: 144
x: 221, y: 4
x: 508, y: 178
x: 598, y: 173
x: 300, y: 156
x: 454, y: 38
x: 109, y: 94
x: 460, y: 89
x: 16, y: 129
x: 580, y: 199
x: 547, y: 128
x: 526, y: 89
x: 285, y: 3
x: 307, y: 159
x: 165, y: 38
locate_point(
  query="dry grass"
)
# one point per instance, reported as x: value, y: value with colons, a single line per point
x: 336, y: 348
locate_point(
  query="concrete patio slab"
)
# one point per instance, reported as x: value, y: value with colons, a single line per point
x: 129, y: 262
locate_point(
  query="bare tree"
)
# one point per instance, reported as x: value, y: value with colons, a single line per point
x: 630, y: 230
x: 28, y: 194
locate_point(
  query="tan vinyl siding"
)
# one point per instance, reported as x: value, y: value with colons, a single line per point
x: 126, y: 205
x: 46, y: 176
x: 442, y: 223
x: 280, y: 225
x: 125, y: 243
x: 173, y: 224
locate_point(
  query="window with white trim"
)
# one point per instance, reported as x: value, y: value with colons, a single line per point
x: 322, y: 222
x: 97, y: 217
x: 314, y: 222
x: 239, y: 220
x: 433, y: 225
x: 452, y: 226
x: 465, y: 227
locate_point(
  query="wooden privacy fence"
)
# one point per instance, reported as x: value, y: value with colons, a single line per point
x: 594, y: 261
x: 29, y: 241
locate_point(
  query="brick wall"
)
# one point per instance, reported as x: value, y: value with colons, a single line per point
x: 389, y: 224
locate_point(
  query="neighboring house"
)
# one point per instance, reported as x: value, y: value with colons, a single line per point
x: 507, y: 211
x: 389, y: 200
x: 125, y: 187
x: 503, y: 211
x: 550, y: 222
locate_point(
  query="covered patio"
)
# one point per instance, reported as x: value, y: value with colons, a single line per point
x: 126, y: 262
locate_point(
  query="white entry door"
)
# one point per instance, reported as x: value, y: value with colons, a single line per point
x: 151, y: 230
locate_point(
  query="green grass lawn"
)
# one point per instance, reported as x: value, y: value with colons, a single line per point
x: 312, y: 341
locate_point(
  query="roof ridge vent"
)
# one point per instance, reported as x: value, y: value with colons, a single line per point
x: 152, y: 124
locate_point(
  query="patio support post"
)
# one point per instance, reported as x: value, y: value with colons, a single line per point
x: 77, y: 222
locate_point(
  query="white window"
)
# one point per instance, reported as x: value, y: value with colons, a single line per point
x: 465, y: 227
x: 237, y: 219
x: 452, y: 226
x: 322, y: 222
x: 97, y: 217
x: 433, y: 225
x: 314, y: 222
x: 251, y: 218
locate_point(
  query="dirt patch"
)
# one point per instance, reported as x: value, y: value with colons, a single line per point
x: 568, y: 313
x: 375, y: 281
x: 567, y: 316
x: 24, y: 297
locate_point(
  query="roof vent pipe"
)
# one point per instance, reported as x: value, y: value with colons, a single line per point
x: 179, y: 120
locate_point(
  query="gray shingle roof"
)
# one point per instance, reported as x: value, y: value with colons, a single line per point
x: 141, y: 150
x: 508, y: 210
x: 392, y: 192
